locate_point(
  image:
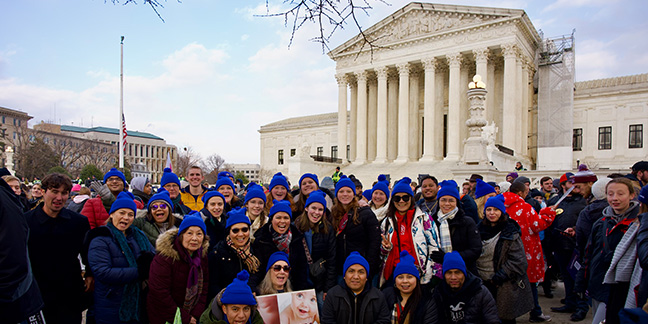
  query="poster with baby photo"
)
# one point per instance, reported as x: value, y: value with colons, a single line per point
x: 297, y: 307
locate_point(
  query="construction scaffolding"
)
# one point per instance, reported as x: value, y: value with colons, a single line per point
x: 556, y: 67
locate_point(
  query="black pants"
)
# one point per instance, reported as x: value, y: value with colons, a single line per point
x: 616, y: 302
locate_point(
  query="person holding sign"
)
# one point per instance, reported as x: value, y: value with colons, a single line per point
x: 234, y: 304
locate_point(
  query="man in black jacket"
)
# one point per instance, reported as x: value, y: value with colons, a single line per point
x: 55, y: 241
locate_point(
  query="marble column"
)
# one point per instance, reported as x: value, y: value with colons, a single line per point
x: 413, y: 129
x: 510, y: 96
x: 392, y: 116
x: 525, y: 108
x: 361, y: 128
x: 342, y: 116
x: 372, y: 114
x: 454, y: 103
x: 481, y: 68
x: 381, y: 118
x: 490, y: 114
x: 403, y: 112
x: 353, y: 123
x: 440, y: 76
x: 519, y: 107
x: 430, y: 141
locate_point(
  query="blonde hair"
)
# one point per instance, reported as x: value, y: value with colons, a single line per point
x: 265, y: 287
x: 480, y: 202
x: 9, y: 177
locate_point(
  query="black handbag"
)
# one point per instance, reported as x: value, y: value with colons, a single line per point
x: 316, y: 268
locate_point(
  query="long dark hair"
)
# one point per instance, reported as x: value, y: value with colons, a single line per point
x: 411, y: 304
x: 391, y: 210
x: 339, y: 211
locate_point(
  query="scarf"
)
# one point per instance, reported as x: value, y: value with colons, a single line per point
x: 251, y: 262
x: 176, y: 205
x: 444, y: 229
x: 401, y: 240
x: 195, y: 279
x: 129, y: 306
x: 625, y: 254
x: 487, y: 232
x: 343, y: 223
x: 282, y: 241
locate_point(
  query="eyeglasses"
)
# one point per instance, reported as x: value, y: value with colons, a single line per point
x: 236, y: 230
x: 278, y: 268
x: 405, y: 198
x: 160, y: 206
x: 115, y: 179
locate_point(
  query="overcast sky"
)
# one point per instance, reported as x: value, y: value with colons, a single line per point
x: 213, y: 73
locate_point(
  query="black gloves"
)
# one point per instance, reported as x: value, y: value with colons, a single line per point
x: 437, y: 256
x: 144, y: 264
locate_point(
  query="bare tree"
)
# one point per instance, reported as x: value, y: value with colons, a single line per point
x: 187, y: 157
x: 36, y: 158
x: 211, y: 166
x: 265, y: 176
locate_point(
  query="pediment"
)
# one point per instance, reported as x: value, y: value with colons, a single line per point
x: 420, y: 20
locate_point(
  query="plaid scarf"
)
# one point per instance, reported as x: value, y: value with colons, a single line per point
x: 444, y: 229
x: 282, y: 241
x: 244, y: 254
x: 343, y: 223
x: 195, y: 281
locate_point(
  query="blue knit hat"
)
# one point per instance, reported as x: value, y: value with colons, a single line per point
x: 279, y: 180
x: 383, y: 178
x: 367, y: 194
x: 643, y: 195
x: 448, y: 188
x: 192, y: 219
x: 277, y: 256
x: 238, y: 292
x: 381, y: 186
x: 403, y: 186
x: 236, y: 216
x: 114, y: 173
x: 280, y: 206
x: 482, y: 189
x: 406, y: 265
x: 355, y: 258
x: 344, y: 182
x: 453, y: 260
x: 163, y: 195
x: 317, y: 196
x: 254, y: 191
x: 497, y: 202
x: 169, y: 177
x: 125, y: 199
x: 225, y: 181
x: 225, y: 174
x: 211, y: 194
x: 309, y: 175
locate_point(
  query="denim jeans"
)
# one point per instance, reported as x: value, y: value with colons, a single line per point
x: 537, y: 310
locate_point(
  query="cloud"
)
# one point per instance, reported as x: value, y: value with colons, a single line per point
x: 564, y: 4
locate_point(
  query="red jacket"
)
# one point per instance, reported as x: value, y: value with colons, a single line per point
x: 96, y: 212
x: 531, y: 224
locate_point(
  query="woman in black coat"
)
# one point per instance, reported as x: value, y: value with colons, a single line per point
x: 356, y: 227
x: 320, y: 239
x: 279, y: 235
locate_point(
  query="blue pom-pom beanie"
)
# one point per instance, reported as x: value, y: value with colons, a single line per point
x: 114, y: 173
x: 277, y: 256
x: 643, y: 195
x: 124, y: 200
x: 381, y: 186
x: 482, y: 189
x: 453, y: 260
x: 406, y: 265
x: 225, y: 181
x: 211, y: 194
x: 192, y: 219
x: 355, y: 258
x: 236, y: 216
x: 254, y: 191
x: 279, y: 180
x: 161, y: 195
x: 317, y: 196
x: 497, y: 202
x: 238, y: 292
x: 280, y: 206
x: 345, y: 182
x: 403, y: 186
x: 309, y: 175
x: 225, y: 174
x: 169, y: 177
x: 448, y: 188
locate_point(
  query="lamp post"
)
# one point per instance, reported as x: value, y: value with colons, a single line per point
x: 9, y: 152
x: 475, y: 145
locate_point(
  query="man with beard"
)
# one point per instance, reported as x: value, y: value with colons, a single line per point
x: 461, y: 297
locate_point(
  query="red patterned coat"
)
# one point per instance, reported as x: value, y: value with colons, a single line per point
x: 531, y: 224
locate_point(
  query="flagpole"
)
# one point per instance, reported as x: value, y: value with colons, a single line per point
x: 121, y: 108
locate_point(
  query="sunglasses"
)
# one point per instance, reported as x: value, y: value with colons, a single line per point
x: 160, y: 206
x: 405, y: 198
x: 236, y: 230
x: 278, y: 268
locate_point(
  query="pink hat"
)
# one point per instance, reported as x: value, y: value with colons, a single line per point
x: 76, y: 187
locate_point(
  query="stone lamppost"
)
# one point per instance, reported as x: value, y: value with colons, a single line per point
x: 9, y: 152
x: 475, y: 145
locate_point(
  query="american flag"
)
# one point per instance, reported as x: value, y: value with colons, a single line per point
x: 125, y: 133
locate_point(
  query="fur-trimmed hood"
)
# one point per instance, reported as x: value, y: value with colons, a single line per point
x: 164, y: 245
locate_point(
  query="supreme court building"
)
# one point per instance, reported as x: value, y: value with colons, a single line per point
x: 403, y: 109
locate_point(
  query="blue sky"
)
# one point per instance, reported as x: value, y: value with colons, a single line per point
x: 212, y: 73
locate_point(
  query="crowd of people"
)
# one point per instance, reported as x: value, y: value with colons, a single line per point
x: 398, y: 252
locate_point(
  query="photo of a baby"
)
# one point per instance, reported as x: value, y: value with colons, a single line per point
x: 298, y: 307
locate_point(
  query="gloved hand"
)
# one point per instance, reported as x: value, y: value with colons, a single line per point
x: 144, y: 264
x: 102, y: 190
x: 499, y: 278
x: 437, y: 256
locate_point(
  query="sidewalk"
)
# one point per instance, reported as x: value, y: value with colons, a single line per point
x: 546, y: 304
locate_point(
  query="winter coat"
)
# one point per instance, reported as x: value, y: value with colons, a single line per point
x: 424, y: 244
x: 605, y: 236
x: 76, y: 204
x: 144, y: 198
x: 586, y: 219
x: 363, y: 237
x: 168, y: 282
x: 463, y: 236
x: 531, y: 224
x: 338, y: 308
x: 111, y: 271
x: 472, y: 303
x: 323, y: 247
x: 97, y: 213
x: 425, y: 312
x: 216, y: 316
x: 224, y: 264
x: 149, y: 228
x: 470, y: 208
x: 191, y: 201
x: 215, y: 229
x: 642, y: 256
x: 263, y: 247
x: 54, y: 247
x: 513, y: 290
x: 19, y: 294
x: 566, y: 216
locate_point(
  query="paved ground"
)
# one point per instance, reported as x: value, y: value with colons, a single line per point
x: 547, y: 303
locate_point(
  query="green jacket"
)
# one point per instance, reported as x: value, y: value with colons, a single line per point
x: 208, y: 317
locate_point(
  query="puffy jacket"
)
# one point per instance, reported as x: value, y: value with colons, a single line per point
x: 363, y: 237
x: 424, y: 244
x: 566, y: 216
x: 168, y: 282
x: 111, y: 271
x: 338, y: 306
x: 472, y: 304
x: 531, y: 224
x: 97, y: 212
x: 586, y: 219
x: 425, y: 312
x: 191, y: 201
x: 224, y: 264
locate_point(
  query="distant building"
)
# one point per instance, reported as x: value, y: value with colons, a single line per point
x: 251, y: 171
x: 12, y: 124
